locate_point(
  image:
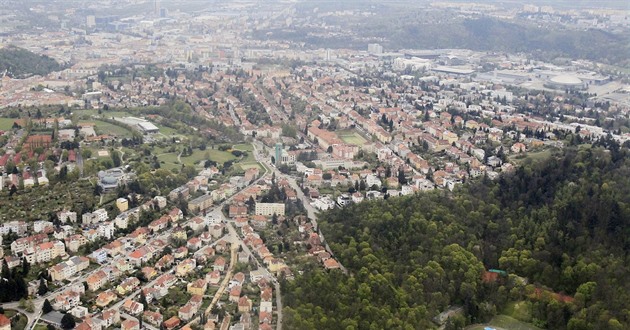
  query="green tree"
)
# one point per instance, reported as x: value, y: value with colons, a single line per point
x: 47, y: 307
x: 68, y: 322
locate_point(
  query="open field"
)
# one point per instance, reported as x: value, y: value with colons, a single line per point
x: 351, y: 137
x: 167, y: 131
x: 105, y: 114
x: 535, y: 156
x: 107, y: 128
x: 246, y: 166
x: 6, y: 123
x: 504, y: 322
x: 170, y: 159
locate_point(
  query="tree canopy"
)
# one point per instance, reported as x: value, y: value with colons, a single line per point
x: 560, y: 228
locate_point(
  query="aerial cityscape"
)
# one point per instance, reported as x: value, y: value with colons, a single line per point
x: 308, y: 164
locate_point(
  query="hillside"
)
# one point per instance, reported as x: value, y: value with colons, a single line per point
x: 560, y: 228
x: 21, y: 63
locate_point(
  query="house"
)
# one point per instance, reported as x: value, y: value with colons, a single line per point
x: 180, y: 252
x: 172, y: 323
x: 110, y: 317
x: 96, y: 280
x: 237, y: 211
x: 149, y: 272
x: 105, y: 298
x: 98, y: 256
x: 88, y: 323
x: 244, y: 305
x: 331, y: 264
x: 186, y: 312
x: 235, y: 294
x: 159, y: 224
x: 213, y: 278
x: 204, y: 254
x: 194, y: 243
x: 185, y: 267
x: 266, y: 304
x: 197, y: 287
x: 130, y: 324
x: 128, y: 285
x: 197, y: 224
x: 258, y: 275
x: 133, y: 307
x: 78, y: 312
x: 165, y: 262
x: 139, y: 256
x: 219, y: 264
x: 67, y: 300
x: 153, y: 318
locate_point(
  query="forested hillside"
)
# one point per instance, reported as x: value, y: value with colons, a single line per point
x: 559, y: 226
x: 21, y: 63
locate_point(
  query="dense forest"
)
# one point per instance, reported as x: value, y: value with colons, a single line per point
x: 21, y: 63
x: 560, y: 228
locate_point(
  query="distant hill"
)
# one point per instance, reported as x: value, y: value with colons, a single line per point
x: 21, y: 63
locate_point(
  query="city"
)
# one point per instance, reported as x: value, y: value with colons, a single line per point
x: 167, y: 165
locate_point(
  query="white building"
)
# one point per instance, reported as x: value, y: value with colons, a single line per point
x: 97, y: 216
x: 66, y: 216
x: 268, y: 209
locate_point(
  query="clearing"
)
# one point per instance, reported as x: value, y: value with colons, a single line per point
x: 504, y: 322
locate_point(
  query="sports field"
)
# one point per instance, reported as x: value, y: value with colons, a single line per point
x: 351, y: 137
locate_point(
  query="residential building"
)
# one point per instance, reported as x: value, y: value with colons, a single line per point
x: 269, y: 209
x: 200, y: 203
x: 97, y: 216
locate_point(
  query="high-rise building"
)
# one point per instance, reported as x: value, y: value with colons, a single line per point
x: 375, y: 49
x: 278, y: 154
x: 156, y: 7
x: 91, y: 21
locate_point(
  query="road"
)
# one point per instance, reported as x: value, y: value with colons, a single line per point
x: 34, y: 316
x: 222, y: 287
x: 310, y: 210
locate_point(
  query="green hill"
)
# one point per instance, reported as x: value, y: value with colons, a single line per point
x: 21, y: 63
x: 562, y: 223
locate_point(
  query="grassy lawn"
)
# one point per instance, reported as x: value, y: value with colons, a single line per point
x: 244, y: 147
x: 505, y: 322
x: 6, y: 123
x: 107, y: 128
x: 168, y: 131
x: 216, y: 155
x: 106, y: 114
x: 248, y: 165
x: 351, y: 137
x: 170, y: 161
x: 530, y: 157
